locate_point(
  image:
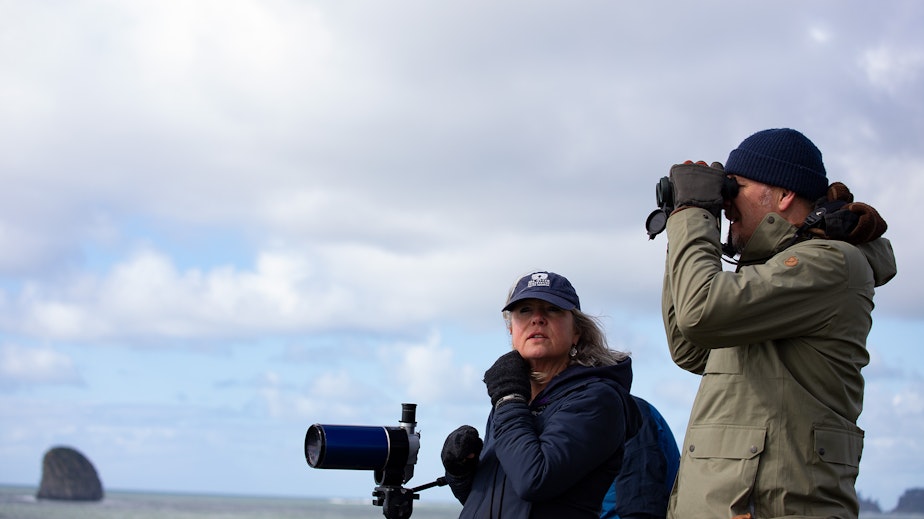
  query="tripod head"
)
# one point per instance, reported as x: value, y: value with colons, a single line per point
x: 397, y: 502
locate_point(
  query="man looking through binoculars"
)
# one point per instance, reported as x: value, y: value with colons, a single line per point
x: 780, y: 341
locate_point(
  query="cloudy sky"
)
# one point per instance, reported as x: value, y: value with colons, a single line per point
x: 223, y: 221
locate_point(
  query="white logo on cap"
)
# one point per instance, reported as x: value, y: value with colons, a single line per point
x: 539, y: 279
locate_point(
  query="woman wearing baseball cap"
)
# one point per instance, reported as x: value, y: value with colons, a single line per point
x: 561, y: 413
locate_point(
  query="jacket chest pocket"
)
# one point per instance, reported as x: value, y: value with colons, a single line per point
x: 726, y: 361
x: 720, y: 469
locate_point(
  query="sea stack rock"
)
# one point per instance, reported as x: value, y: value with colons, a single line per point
x: 911, y: 502
x: 69, y: 475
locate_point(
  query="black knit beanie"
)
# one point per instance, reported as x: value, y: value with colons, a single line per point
x: 781, y: 157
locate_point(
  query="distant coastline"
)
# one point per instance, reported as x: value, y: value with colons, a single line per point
x: 910, y: 504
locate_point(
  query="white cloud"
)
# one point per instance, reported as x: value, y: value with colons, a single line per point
x: 908, y: 403
x: 820, y: 34
x: 20, y: 365
x: 340, y: 396
x: 147, y: 294
x: 430, y: 373
x: 893, y: 69
x: 364, y: 286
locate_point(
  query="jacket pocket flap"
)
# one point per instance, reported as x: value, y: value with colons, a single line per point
x: 726, y: 441
x: 839, y: 445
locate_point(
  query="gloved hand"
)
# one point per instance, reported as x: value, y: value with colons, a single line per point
x: 461, y: 450
x: 508, y: 376
x: 699, y: 185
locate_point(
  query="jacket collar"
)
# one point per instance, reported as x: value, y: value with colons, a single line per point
x: 618, y: 375
x: 773, y: 234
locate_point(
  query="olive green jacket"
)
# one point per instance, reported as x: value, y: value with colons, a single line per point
x: 779, y: 344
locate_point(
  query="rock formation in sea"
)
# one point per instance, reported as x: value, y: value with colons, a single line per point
x: 869, y: 505
x: 912, y: 501
x: 68, y: 475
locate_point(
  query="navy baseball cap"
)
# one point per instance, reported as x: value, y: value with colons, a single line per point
x: 547, y: 286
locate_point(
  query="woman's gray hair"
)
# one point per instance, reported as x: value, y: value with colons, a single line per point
x: 592, y: 348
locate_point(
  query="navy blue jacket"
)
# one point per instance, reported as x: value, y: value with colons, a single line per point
x: 556, y: 456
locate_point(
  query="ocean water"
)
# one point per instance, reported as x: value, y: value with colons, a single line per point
x: 20, y: 503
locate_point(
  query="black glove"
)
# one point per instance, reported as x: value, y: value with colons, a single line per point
x: 508, y: 376
x: 461, y: 450
x: 699, y: 185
